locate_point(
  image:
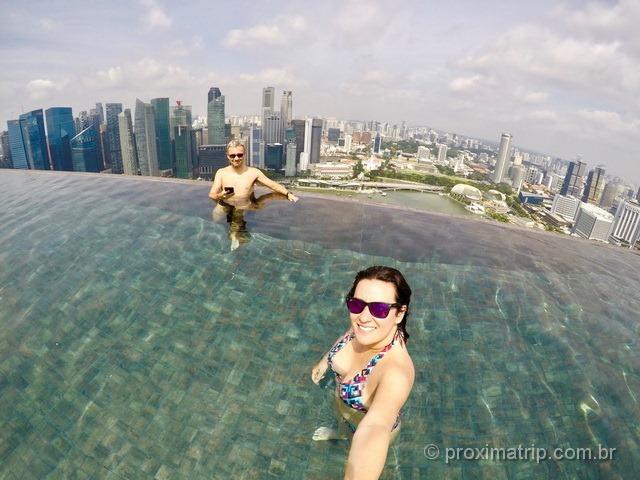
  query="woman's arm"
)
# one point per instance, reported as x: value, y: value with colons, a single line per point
x: 320, y: 368
x: 371, y: 441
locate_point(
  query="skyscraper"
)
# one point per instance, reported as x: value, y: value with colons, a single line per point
x: 442, y: 154
x: 298, y: 128
x: 256, y: 147
x: 100, y: 112
x: 84, y: 151
x: 377, y: 143
x: 145, y: 132
x: 503, y: 157
x: 163, y: 135
x: 286, y: 109
x: 290, y: 165
x: 594, y: 187
x: 268, y: 96
x: 215, y: 118
x: 35, y: 142
x: 573, y: 179
x: 272, y: 127
x: 128, y: 144
x: 626, y: 224
x: 609, y: 194
x: 183, y: 147
x: 214, y: 92
x: 16, y: 145
x: 6, y: 150
x: 113, y: 136
x: 60, y: 130
x: 316, y: 139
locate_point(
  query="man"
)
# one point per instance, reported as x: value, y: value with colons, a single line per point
x: 234, y: 184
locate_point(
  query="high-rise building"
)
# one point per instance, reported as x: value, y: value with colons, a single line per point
x: 6, y: 150
x: 503, y: 157
x: 517, y: 177
x: 60, y: 130
x: 268, y: 97
x: 286, y: 109
x: 163, y: 132
x: 183, y: 141
x: 16, y: 145
x: 290, y: 167
x: 377, y: 144
x: 626, y: 224
x: 565, y: 207
x: 316, y: 140
x: 215, y: 119
x: 214, y: 92
x: 113, y: 136
x: 35, y: 141
x: 256, y: 149
x: 347, y: 143
x: 333, y: 135
x: 274, y: 157
x: 299, y: 129
x: 533, y: 175
x: 145, y: 131
x: 593, y: 222
x: 100, y: 112
x: 210, y: 159
x: 128, y: 147
x: 442, y: 154
x: 96, y: 116
x: 305, y: 156
x: 594, y: 187
x: 84, y: 151
x: 573, y: 179
x: 610, y: 192
x: 272, y: 127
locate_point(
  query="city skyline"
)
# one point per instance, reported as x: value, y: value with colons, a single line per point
x: 562, y: 81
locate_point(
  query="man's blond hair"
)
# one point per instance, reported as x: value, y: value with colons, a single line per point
x: 234, y: 144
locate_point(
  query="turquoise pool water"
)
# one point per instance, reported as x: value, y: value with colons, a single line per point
x: 136, y: 344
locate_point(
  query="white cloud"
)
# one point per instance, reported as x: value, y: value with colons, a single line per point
x: 146, y: 73
x: 611, y: 121
x: 41, y: 88
x: 279, y: 32
x: 155, y: 17
x: 542, y: 115
x: 465, y: 84
x: 361, y: 19
x: 49, y: 24
x: 269, y: 76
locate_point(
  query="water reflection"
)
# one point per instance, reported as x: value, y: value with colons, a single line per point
x: 233, y: 210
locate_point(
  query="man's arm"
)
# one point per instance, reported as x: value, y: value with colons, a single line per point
x: 370, y: 443
x: 216, y: 193
x: 275, y: 186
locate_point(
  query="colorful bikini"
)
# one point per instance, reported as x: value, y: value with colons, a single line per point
x: 351, y: 392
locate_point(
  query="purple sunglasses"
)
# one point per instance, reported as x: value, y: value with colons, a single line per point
x: 377, y: 309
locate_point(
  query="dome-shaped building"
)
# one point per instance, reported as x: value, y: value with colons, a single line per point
x: 495, y: 195
x: 466, y: 193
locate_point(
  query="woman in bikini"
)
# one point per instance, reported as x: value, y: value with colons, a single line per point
x: 372, y: 354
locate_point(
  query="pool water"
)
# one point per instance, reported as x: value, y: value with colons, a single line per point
x: 137, y: 344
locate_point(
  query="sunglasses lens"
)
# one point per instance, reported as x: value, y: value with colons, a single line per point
x: 379, y: 310
x: 355, y: 305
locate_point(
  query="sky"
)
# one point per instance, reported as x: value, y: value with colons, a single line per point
x: 563, y: 78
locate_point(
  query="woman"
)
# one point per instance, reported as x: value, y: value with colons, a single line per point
x: 372, y: 354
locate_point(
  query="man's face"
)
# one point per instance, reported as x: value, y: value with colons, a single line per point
x: 235, y: 155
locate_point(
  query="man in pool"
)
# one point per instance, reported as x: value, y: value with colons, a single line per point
x: 233, y: 185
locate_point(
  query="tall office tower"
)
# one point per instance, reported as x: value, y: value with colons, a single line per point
x: 95, y: 119
x: 272, y: 127
x: 35, y: 141
x: 60, y: 130
x: 84, y: 151
x: 333, y: 135
x: 377, y: 143
x: 626, y: 224
x: 305, y: 156
x: 214, y: 92
x: 256, y: 152
x: 290, y: 167
x: 6, y: 150
x: 100, y: 112
x: 610, y: 192
x: 215, y: 119
x: 442, y: 153
x: 210, y: 159
x: 517, y: 177
x: 286, y: 109
x: 403, y: 130
x: 83, y: 121
x: 299, y: 129
x: 533, y: 175
x: 104, y: 149
x: 163, y: 133
x: 594, y: 187
x: 182, y: 138
x: 128, y: 144
x: 316, y: 140
x: 268, y: 97
x: 566, y: 207
x: 113, y: 136
x: 573, y: 180
x: 16, y: 145
x: 503, y: 158
x: 347, y: 143
x: 274, y: 156
x: 593, y: 222
x: 145, y: 131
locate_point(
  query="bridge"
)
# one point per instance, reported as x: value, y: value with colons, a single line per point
x: 363, y: 186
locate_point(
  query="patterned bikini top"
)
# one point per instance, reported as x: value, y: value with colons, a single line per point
x: 351, y: 391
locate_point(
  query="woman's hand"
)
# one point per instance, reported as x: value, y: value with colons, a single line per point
x: 318, y: 371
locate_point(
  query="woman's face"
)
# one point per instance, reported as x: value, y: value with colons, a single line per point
x: 367, y: 328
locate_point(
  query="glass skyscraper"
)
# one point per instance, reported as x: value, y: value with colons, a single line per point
x: 35, y: 141
x: 573, y: 179
x: 163, y: 132
x: 145, y: 131
x: 113, y: 136
x: 594, y: 187
x: 85, y: 151
x: 128, y: 144
x: 316, y: 139
x: 215, y: 120
x: 61, y: 129
x: 6, y: 150
x: 182, y: 140
x: 16, y: 145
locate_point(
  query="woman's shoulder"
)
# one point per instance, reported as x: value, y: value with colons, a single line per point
x: 399, y: 364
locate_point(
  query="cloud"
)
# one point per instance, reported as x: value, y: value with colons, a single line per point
x: 277, y: 33
x: 465, y: 84
x: 41, y: 88
x: 49, y: 24
x: 611, y: 121
x: 542, y: 115
x: 269, y: 76
x: 155, y: 17
x: 361, y: 19
x: 146, y: 73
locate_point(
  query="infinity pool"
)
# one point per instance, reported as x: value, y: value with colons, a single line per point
x: 137, y: 344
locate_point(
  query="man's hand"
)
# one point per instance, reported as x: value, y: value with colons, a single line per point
x: 291, y: 197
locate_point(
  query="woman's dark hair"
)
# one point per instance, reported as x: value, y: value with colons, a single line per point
x: 403, y: 291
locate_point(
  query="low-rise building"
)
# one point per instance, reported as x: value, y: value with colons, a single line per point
x: 565, y: 206
x: 332, y: 169
x: 593, y: 222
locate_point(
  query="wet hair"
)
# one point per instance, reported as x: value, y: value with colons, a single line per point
x: 403, y: 291
x: 234, y: 144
